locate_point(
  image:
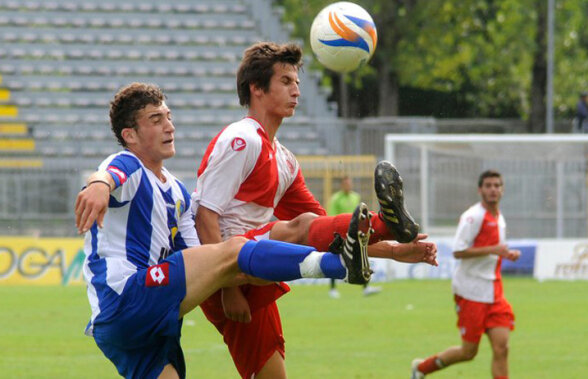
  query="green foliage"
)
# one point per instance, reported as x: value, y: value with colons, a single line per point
x: 478, y: 50
x: 352, y: 337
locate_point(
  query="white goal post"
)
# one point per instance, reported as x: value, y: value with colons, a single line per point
x: 545, y: 179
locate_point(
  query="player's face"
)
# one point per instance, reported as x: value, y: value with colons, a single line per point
x: 153, y: 139
x: 491, y: 190
x: 282, y: 97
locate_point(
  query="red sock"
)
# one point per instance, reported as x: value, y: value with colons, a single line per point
x: 429, y: 365
x: 322, y: 229
x: 501, y: 377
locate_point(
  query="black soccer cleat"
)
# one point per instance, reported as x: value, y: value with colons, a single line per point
x: 353, y: 248
x: 388, y: 185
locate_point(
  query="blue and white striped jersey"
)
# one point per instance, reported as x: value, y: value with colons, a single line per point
x: 147, y: 220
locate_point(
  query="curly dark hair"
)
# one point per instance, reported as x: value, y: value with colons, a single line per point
x: 127, y: 102
x: 257, y: 66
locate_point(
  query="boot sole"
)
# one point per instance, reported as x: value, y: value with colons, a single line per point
x: 390, y: 193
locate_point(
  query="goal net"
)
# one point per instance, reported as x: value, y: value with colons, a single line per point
x: 544, y: 180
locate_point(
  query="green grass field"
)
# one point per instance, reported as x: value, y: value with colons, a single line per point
x: 352, y: 337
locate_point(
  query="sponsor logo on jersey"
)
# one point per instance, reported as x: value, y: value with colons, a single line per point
x: 238, y: 144
x: 122, y: 177
x: 157, y: 275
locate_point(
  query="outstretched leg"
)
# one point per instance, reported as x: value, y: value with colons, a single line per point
x: 276, y: 260
x: 393, y: 222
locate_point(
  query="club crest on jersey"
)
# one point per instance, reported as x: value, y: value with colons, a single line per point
x: 179, y: 210
x: 157, y: 275
x: 238, y: 144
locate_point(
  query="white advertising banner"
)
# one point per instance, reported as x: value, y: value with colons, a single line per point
x: 561, y: 259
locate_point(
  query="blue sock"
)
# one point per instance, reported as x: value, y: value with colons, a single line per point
x: 283, y: 261
x: 332, y: 266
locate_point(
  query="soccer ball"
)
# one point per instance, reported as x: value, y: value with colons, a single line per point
x: 343, y: 36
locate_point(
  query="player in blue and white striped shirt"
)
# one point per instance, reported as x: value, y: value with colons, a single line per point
x: 143, y: 267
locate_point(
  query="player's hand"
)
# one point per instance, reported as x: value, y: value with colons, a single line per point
x: 91, y: 205
x: 513, y: 255
x: 417, y: 251
x: 501, y: 250
x: 235, y: 305
x: 413, y: 252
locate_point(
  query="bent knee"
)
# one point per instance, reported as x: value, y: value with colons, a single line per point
x: 469, y: 353
x: 302, y: 222
x: 234, y: 244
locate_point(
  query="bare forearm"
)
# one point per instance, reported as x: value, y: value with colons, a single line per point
x: 102, y: 176
x: 475, y: 252
x: 413, y: 252
x: 382, y: 249
x: 207, y: 226
x: 209, y: 232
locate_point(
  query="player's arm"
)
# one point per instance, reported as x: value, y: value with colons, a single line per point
x: 475, y: 252
x: 207, y: 226
x: 235, y: 304
x: 413, y: 252
x: 501, y: 250
x: 92, y: 202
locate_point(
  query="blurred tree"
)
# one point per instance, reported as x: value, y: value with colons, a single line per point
x: 473, y: 58
x: 536, y: 122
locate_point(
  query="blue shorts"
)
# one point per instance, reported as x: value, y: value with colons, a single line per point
x: 142, y: 334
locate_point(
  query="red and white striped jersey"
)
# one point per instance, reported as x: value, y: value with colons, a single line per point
x: 246, y: 179
x: 479, y: 279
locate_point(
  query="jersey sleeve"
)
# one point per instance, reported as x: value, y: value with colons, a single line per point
x: 296, y: 200
x: 468, y: 228
x: 121, y: 167
x: 229, y: 163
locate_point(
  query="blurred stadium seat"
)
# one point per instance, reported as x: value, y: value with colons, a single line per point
x: 62, y: 60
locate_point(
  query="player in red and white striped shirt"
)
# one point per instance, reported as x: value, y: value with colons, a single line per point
x: 246, y: 177
x: 480, y: 245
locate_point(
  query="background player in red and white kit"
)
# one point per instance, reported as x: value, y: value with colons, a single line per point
x: 246, y: 177
x: 480, y: 245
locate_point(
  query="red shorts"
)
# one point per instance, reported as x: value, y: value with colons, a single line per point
x: 250, y: 344
x: 475, y: 318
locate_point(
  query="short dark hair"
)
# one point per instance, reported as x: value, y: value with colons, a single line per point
x: 488, y: 174
x: 127, y: 102
x: 257, y: 66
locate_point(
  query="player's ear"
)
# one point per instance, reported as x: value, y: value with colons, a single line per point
x: 255, y: 90
x: 129, y: 135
